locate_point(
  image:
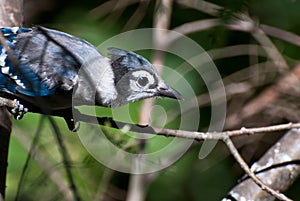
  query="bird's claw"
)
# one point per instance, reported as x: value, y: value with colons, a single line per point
x: 19, y: 110
x: 76, y: 127
x: 72, y: 125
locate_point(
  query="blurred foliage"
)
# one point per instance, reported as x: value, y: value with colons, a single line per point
x: 189, y: 178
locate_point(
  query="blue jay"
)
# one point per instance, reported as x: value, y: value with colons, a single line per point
x: 40, y: 69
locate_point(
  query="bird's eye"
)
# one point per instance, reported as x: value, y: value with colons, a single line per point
x: 142, y: 81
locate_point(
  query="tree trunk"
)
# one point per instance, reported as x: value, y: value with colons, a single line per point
x: 11, y: 14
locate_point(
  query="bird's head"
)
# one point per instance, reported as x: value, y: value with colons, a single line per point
x: 135, y: 78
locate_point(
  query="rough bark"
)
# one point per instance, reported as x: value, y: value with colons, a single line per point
x: 10, y: 15
x: 276, y: 170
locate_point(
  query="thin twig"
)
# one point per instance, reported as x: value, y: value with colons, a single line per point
x: 214, y: 9
x: 107, y: 7
x: 219, y: 135
x: 137, y: 16
x: 179, y: 133
x: 265, y: 98
x: 281, y: 34
x: 242, y: 22
x: 191, y: 27
x: 240, y: 86
x: 224, y: 136
x: 184, y: 133
x: 246, y: 24
x: 247, y: 170
x: 278, y: 167
x: 271, y: 49
x: 203, y: 6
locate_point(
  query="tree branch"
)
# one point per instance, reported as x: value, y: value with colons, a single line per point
x: 11, y: 13
x: 5, y: 130
x: 144, y: 129
x: 264, y: 98
x: 223, y: 136
x: 242, y: 22
x: 276, y: 168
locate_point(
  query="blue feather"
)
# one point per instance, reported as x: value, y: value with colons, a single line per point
x: 42, y: 70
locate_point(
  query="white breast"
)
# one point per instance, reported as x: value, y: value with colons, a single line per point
x: 95, y: 77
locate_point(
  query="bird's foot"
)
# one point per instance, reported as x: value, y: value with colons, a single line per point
x: 72, y: 125
x: 19, y: 110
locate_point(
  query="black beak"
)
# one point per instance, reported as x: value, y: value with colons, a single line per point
x: 169, y: 92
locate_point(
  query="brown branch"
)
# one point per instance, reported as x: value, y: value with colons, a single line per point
x: 178, y: 133
x: 264, y: 98
x: 250, y: 173
x: 220, y: 135
x: 203, y: 6
x: 241, y: 23
x: 11, y: 13
x: 109, y: 6
x: 191, y: 27
x: 240, y: 86
x: 270, y: 49
x: 137, y: 16
x: 5, y: 130
x: 224, y: 136
x: 7, y: 102
x: 269, y: 169
x: 281, y: 34
x: 213, y: 10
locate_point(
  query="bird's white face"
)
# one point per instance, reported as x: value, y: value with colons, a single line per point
x: 142, y: 85
x: 141, y: 80
x: 135, y: 78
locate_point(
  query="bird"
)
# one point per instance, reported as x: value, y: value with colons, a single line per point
x: 43, y: 69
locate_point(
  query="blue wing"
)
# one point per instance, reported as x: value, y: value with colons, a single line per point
x: 14, y: 78
x: 48, y: 61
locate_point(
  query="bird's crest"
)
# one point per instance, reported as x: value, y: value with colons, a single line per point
x: 128, y: 59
